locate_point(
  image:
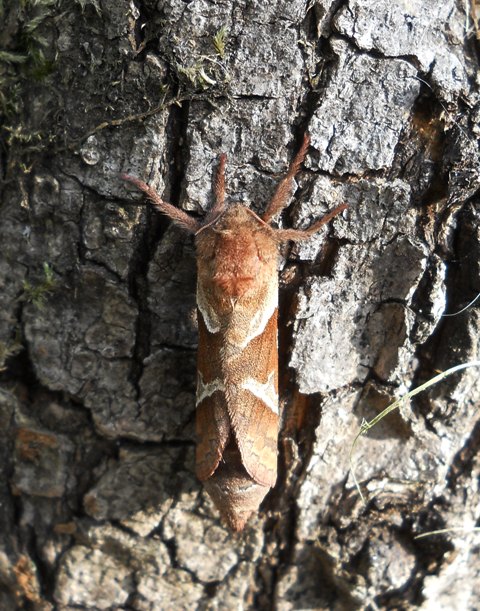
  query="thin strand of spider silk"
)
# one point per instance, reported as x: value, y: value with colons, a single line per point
x: 463, y: 309
x: 446, y: 531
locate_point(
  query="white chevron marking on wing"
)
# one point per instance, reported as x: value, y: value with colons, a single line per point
x: 265, y: 392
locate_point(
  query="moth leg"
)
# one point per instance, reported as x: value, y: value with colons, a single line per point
x: 219, y: 192
x: 284, y: 189
x: 301, y: 234
x: 180, y: 218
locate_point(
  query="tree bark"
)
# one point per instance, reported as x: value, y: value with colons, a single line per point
x: 100, y: 508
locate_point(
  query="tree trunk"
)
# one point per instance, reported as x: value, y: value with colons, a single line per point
x: 100, y: 508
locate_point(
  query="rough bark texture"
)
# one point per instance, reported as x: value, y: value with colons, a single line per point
x: 99, y: 508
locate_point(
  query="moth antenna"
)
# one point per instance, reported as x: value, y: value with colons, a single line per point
x: 284, y: 189
x: 296, y: 235
x: 179, y: 218
x: 219, y: 192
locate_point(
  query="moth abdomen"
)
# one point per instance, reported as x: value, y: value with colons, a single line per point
x: 236, y: 495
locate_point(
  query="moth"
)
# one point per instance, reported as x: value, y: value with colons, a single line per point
x: 237, y: 417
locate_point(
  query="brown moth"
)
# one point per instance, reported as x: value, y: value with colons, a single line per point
x: 237, y: 384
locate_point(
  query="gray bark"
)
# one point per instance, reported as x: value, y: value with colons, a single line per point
x: 99, y: 505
